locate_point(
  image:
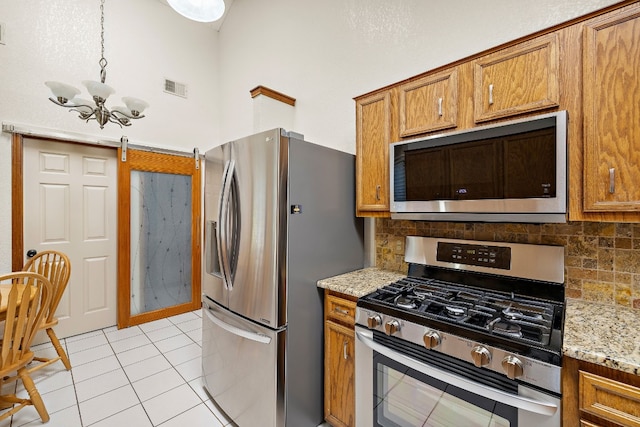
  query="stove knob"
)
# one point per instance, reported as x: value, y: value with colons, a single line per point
x: 431, y: 339
x: 374, y: 321
x: 481, y: 356
x: 391, y: 327
x: 512, y: 366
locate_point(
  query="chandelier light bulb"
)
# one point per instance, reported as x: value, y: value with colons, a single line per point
x: 199, y: 10
x: 98, y: 89
x: 63, y: 92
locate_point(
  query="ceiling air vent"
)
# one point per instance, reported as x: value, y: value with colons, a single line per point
x: 175, y: 88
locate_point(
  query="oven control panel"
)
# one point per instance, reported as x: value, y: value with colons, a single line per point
x: 514, y: 366
x: 470, y: 254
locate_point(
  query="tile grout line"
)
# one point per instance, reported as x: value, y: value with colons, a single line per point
x: 73, y: 383
x: 202, y: 402
x: 106, y: 335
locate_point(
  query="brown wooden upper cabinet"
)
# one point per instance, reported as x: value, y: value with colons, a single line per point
x: 611, y: 80
x: 517, y: 80
x: 429, y: 103
x: 373, y: 136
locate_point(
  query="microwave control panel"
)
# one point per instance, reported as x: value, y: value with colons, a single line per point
x: 470, y: 254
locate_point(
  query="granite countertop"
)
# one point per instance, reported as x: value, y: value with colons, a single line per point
x: 360, y: 282
x: 603, y: 334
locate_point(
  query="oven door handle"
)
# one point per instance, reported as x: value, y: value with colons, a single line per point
x: 526, y: 404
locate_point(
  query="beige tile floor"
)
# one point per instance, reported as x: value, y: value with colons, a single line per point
x: 143, y: 376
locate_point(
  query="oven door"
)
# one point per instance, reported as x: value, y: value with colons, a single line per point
x: 394, y: 388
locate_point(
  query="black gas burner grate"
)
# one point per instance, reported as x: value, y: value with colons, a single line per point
x: 507, y: 315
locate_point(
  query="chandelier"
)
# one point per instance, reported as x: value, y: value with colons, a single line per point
x: 66, y: 95
x: 199, y: 10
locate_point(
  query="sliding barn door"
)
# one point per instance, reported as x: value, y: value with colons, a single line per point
x: 159, y: 236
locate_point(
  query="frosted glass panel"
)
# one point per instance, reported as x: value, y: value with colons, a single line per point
x: 160, y: 240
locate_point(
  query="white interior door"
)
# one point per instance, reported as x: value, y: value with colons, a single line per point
x: 70, y: 206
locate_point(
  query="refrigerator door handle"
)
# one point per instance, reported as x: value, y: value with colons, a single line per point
x: 235, y: 330
x: 233, y: 238
x: 223, y: 217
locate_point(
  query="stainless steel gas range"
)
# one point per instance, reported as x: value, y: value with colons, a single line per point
x: 471, y: 337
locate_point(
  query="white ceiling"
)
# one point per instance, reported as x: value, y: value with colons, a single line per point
x: 217, y: 24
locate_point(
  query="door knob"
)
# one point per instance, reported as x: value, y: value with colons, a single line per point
x: 31, y: 253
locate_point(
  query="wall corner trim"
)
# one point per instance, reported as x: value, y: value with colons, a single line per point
x: 262, y: 90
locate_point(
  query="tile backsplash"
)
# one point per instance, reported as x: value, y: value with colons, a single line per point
x: 602, y: 260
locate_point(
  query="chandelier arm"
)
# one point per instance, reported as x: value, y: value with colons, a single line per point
x: 121, y: 113
x: 55, y: 101
x: 83, y: 115
x: 72, y: 107
x: 118, y: 121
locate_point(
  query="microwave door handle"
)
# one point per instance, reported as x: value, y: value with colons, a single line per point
x: 526, y: 404
x: 263, y: 339
x: 223, y: 219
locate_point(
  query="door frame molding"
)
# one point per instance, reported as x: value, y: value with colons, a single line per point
x: 17, y: 200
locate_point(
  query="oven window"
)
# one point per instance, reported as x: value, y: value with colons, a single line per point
x: 407, y: 398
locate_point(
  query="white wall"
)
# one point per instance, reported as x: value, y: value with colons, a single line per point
x: 145, y: 41
x: 323, y: 53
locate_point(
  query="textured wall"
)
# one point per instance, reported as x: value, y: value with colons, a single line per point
x: 145, y: 42
x: 602, y: 260
x: 325, y: 53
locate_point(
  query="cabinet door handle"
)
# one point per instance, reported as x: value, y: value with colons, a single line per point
x: 377, y: 193
x: 440, y: 106
x: 491, y: 94
x: 612, y: 180
x: 345, y: 344
x: 340, y: 311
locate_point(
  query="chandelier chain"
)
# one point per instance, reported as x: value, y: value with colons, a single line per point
x: 103, y: 60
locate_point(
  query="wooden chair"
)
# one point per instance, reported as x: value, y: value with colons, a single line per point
x: 56, y: 267
x: 27, y: 302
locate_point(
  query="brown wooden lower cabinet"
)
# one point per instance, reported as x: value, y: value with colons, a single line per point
x: 339, y: 359
x: 597, y: 396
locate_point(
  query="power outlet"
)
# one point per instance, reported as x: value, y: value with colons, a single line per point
x: 2, y: 33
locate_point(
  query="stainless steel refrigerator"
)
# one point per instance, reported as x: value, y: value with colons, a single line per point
x: 279, y: 216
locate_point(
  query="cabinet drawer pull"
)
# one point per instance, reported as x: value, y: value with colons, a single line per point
x: 345, y: 344
x: 612, y: 180
x: 341, y: 311
x: 440, y: 106
x: 377, y: 193
x: 490, y: 94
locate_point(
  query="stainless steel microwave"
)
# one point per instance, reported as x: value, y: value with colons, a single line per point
x: 514, y: 171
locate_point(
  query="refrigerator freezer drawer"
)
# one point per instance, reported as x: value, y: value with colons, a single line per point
x: 243, y: 366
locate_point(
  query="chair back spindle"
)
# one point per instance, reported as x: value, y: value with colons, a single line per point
x: 23, y: 315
